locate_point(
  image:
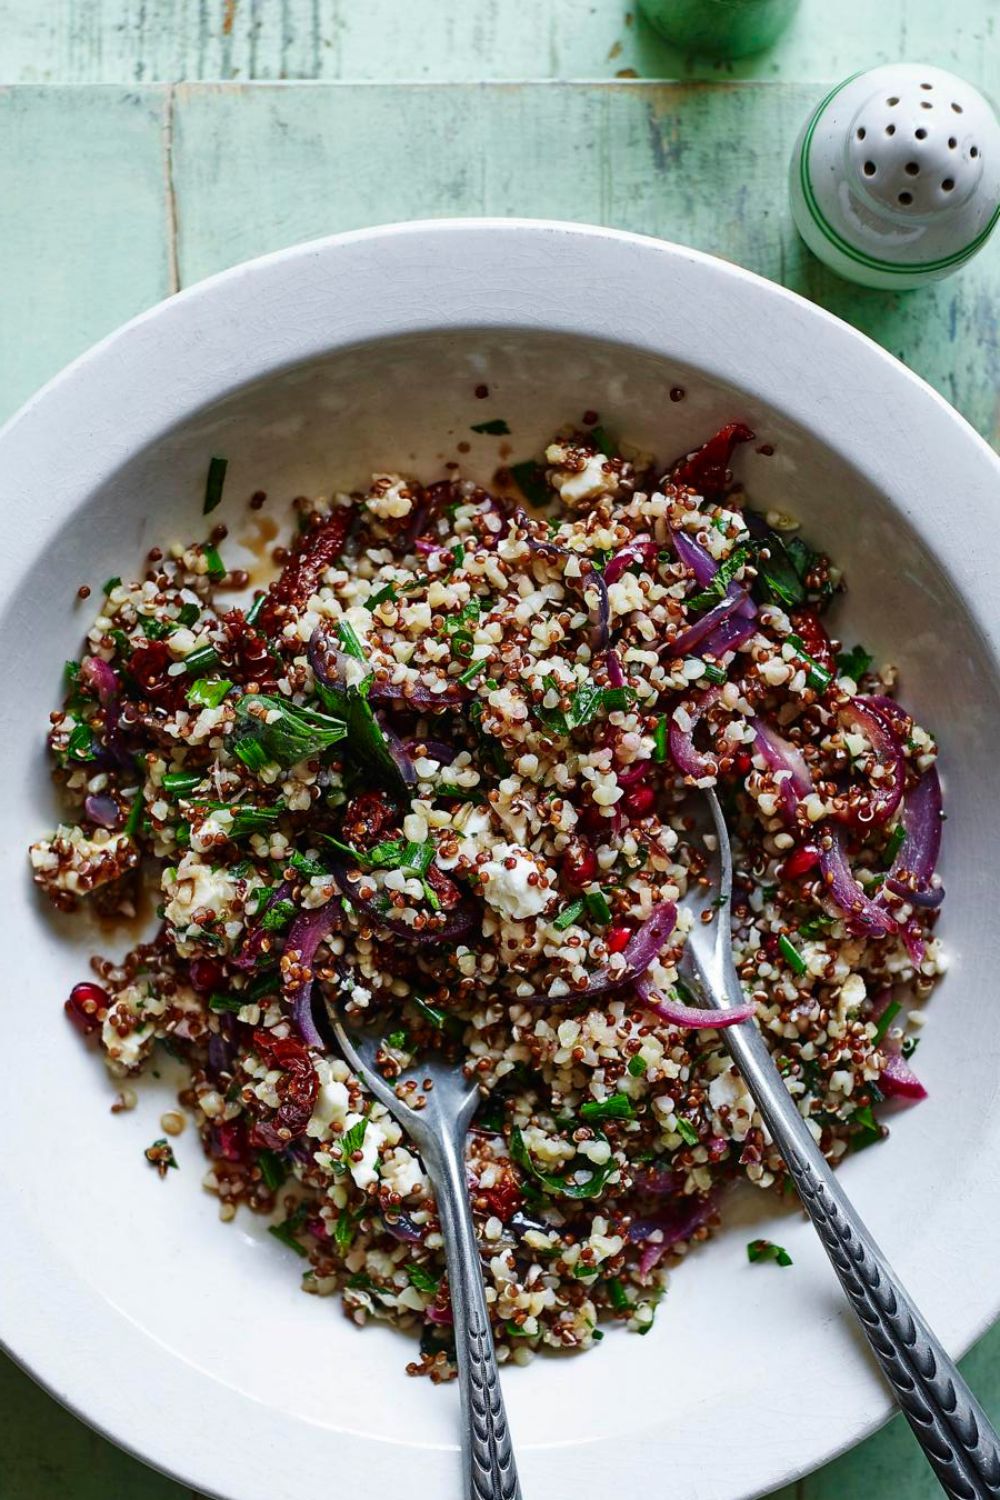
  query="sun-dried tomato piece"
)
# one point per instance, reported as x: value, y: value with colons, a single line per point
x: 812, y: 633
x: 246, y: 655
x: 504, y: 1197
x: 369, y: 818
x: 310, y: 557
x: 297, y: 1089
x: 149, y: 678
x: 445, y: 890
x: 707, y: 470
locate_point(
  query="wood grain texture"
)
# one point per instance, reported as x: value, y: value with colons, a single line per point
x: 145, y: 41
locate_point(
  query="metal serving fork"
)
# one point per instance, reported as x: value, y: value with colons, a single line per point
x: 438, y: 1130
x: 955, y: 1433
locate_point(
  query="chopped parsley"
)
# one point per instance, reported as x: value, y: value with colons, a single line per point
x: 422, y: 1279
x: 287, y: 1230
x: 758, y: 1250
x: 495, y: 427
x: 80, y: 746
x: 278, y: 916
x: 854, y: 663
x: 214, y: 483
x: 272, y: 1169
x: 564, y: 1185
x: 530, y: 480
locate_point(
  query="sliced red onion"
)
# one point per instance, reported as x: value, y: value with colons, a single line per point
x: 304, y: 937
x: 845, y: 892
x: 642, y: 549
x: 441, y: 1315
x: 782, y: 756
x: 455, y: 925
x: 690, y: 761
x: 695, y: 558
x: 891, y: 712
x: 913, y: 942
x: 433, y: 749
x: 670, y: 1228
x: 102, y: 810
x: 414, y: 695
x: 250, y: 953
x: 694, y: 1017
x: 730, y: 636
x: 397, y: 749
x: 402, y: 1228
x: 710, y: 621
x: 328, y: 661
x: 660, y: 1182
x: 220, y: 1055
x: 600, y: 613
x: 425, y: 545
x: 886, y: 794
x: 616, y: 675
x: 645, y: 944
x: 898, y: 1081
x: 102, y: 678
x: 917, y: 858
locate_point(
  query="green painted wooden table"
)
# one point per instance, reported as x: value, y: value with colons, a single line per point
x: 147, y: 143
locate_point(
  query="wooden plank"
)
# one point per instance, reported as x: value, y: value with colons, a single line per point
x: 143, y: 41
x: 260, y: 167
x: 84, y: 244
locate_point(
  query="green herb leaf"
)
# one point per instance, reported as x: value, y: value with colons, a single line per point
x: 817, y: 676
x: 252, y: 614
x: 854, y: 663
x: 869, y: 1131
x: 307, y: 867
x: 298, y: 733
x: 81, y: 746
x: 758, y: 1250
x: 278, y: 916
x: 216, y: 567
x: 365, y: 740
x: 716, y: 590
x: 614, y: 1107
x: 893, y: 844
x: 496, y: 427
x: 349, y: 640
x: 155, y: 630
x: 686, y: 1131
x: 604, y: 442
x: 272, y: 1169
x: 381, y: 596
x: 286, y: 1234
x: 110, y: 584
x: 230, y: 1003
x: 352, y: 1140
x: 778, y: 579
x: 791, y: 955
x: 617, y: 1295
x: 422, y: 1279
x: 637, y: 1066
x: 459, y: 793
x: 660, y: 739
x: 205, y: 693
x: 531, y: 481
x: 188, y: 615
x: 565, y: 1185
x: 343, y: 1231
x: 886, y: 1019
x: 213, y: 484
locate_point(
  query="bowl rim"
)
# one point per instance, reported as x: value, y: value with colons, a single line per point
x: 428, y: 276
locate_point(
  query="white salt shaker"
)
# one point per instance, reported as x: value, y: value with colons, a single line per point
x: 895, y: 180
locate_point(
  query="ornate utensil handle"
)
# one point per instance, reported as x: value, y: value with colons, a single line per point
x: 955, y: 1433
x: 488, y: 1458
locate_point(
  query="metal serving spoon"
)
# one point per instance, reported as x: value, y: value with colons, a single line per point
x: 955, y: 1433
x: 438, y: 1130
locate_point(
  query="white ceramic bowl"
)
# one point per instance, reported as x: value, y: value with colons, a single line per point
x: 188, y: 1341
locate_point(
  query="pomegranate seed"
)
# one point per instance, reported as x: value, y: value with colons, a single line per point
x: 86, y: 1005
x: 579, y: 866
x: 742, y: 762
x: 618, y: 937
x: 800, y: 862
x: 228, y: 1141
x: 639, y: 801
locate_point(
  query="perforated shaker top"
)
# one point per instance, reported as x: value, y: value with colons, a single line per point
x: 904, y: 161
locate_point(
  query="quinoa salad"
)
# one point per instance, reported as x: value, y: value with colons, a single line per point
x: 437, y: 775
